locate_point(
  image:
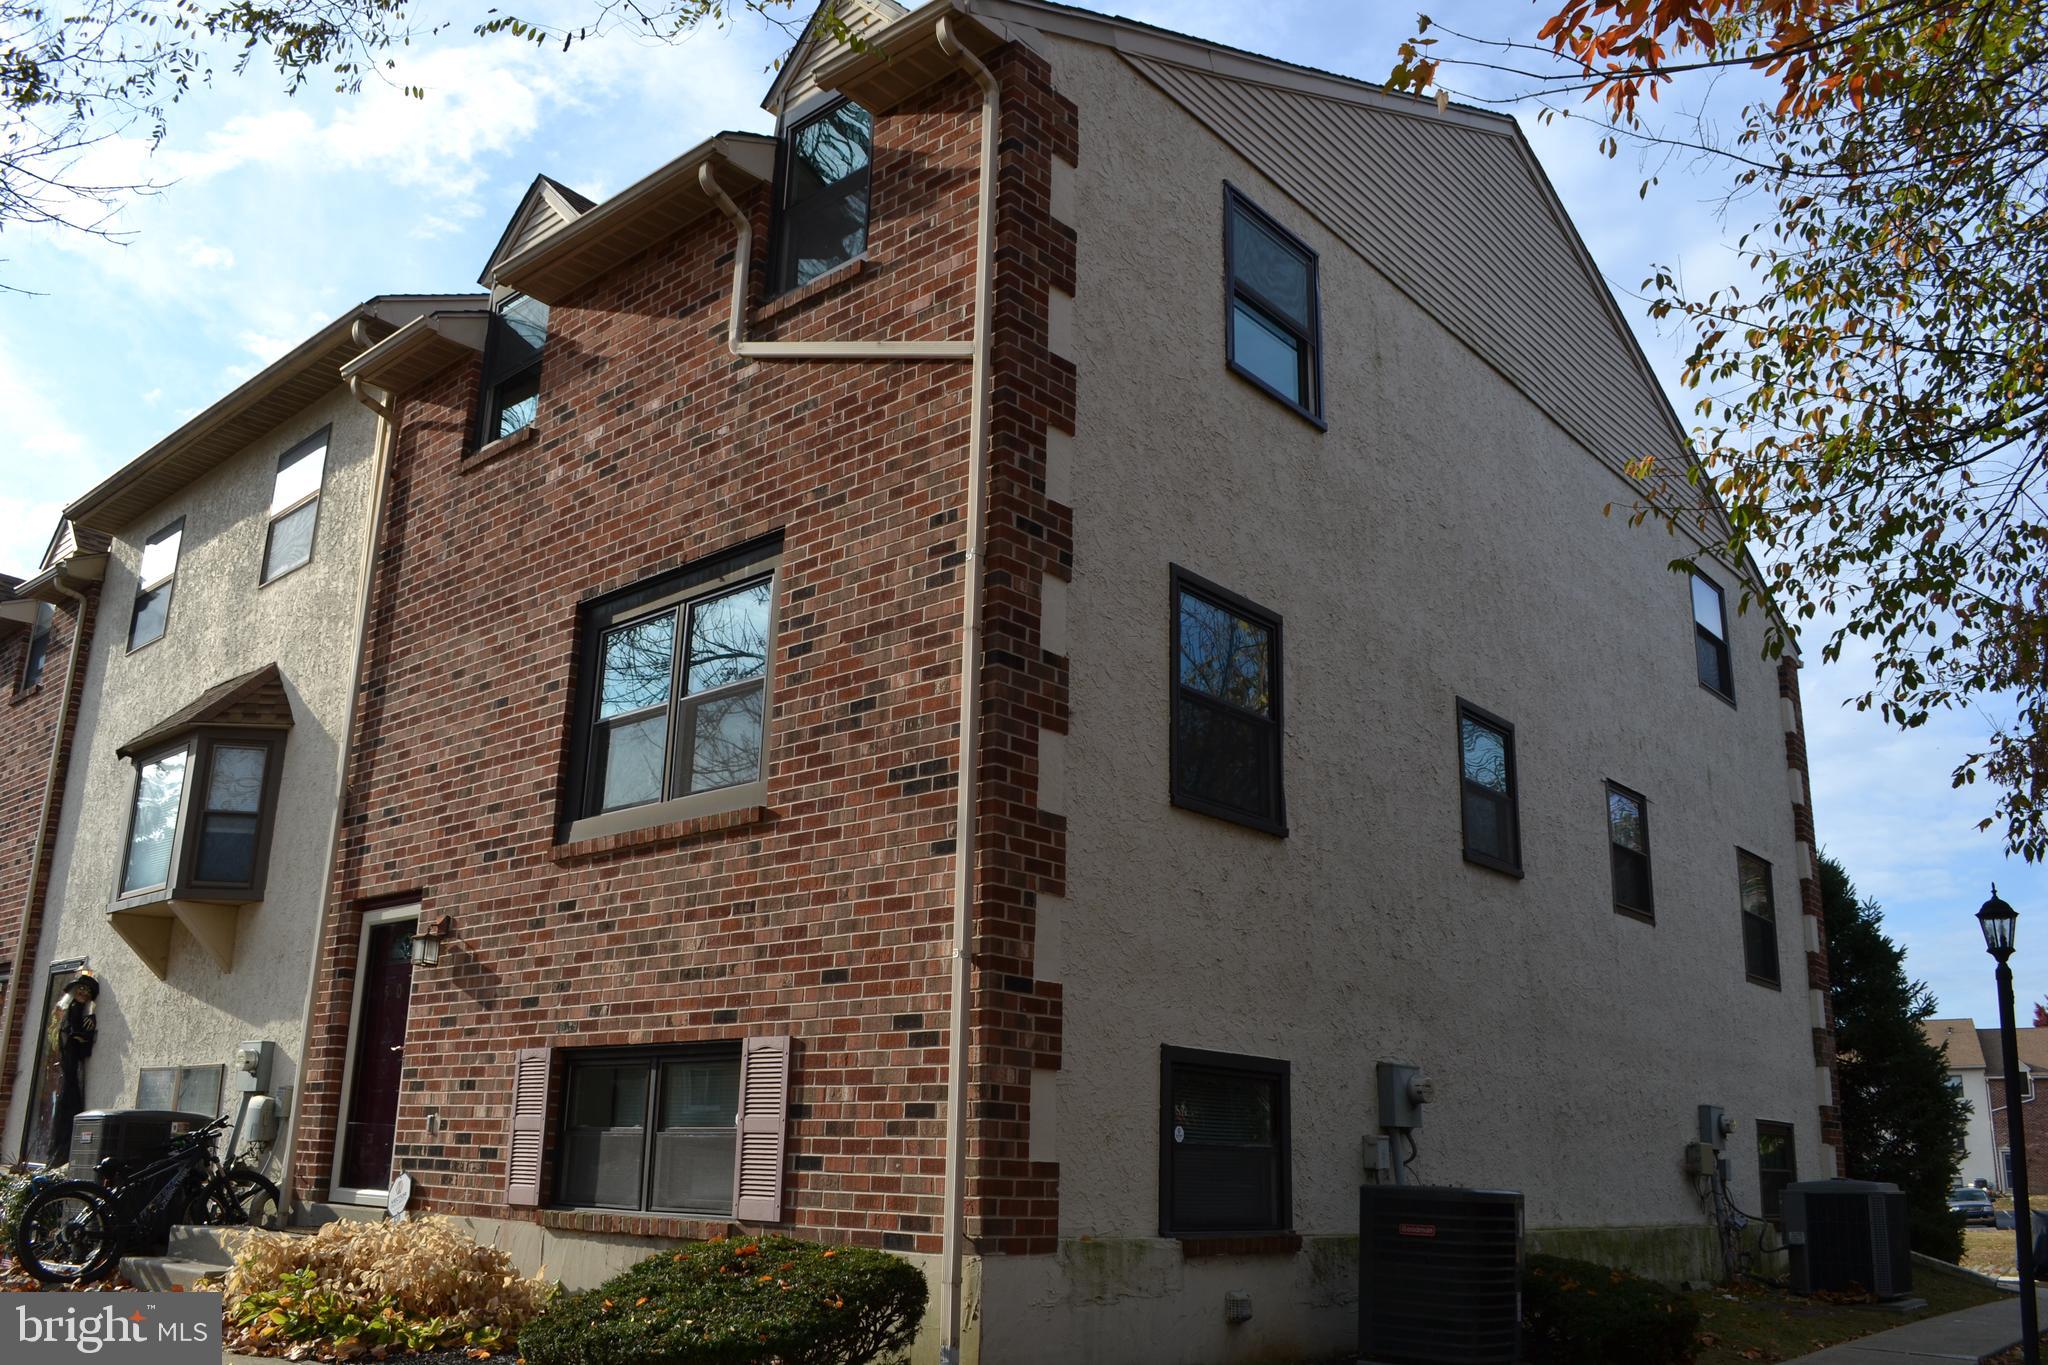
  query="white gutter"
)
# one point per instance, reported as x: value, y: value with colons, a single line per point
x: 17, y: 983
x: 380, y: 481
x: 976, y: 350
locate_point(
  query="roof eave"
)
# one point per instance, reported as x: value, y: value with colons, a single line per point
x: 420, y: 350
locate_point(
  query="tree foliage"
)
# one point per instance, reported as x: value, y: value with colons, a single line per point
x: 1874, y: 399
x: 1901, y: 1121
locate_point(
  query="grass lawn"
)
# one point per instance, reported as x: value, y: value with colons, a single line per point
x: 1989, y: 1251
x: 1757, y: 1324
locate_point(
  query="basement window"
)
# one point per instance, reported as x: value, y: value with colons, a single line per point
x: 1273, y: 336
x: 294, y: 507
x: 1776, y: 1167
x: 512, y: 355
x: 154, y: 578
x: 1227, y: 735
x: 1628, y: 838
x: 185, y: 1089
x: 823, y: 212
x: 1486, y: 773
x: 1224, y: 1146
x: 651, y: 1131
x: 1759, y: 919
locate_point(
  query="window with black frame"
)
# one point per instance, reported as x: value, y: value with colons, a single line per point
x: 294, y: 507
x: 38, y: 647
x: 1777, y: 1165
x: 1227, y: 736
x: 1759, y: 918
x: 512, y: 356
x: 1710, y: 637
x: 650, y: 1131
x: 823, y: 213
x: 1225, y: 1148
x: 155, y: 577
x: 199, y: 822
x: 1274, y: 337
x: 676, y: 682
x: 1486, y: 777
x: 1628, y: 838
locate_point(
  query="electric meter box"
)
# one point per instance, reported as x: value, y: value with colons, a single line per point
x: 252, y: 1067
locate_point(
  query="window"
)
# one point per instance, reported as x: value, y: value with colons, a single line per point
x: 185, y: 1089
x: 1227, y: 734
x: 154, y: 579
x: 1759, y: 919
x: 1710, y: 637
x: 1224, y: 1150
x: 675, y: 703
x: 512, y: 355
x: 294, y: 507
x: 38, y: 647
x: 824, y: 208
x: 1486, y: 773
x: 651, y: 1131
x: 1628, y: 837
x: 1273, y: 336
x: 1776, y: 1167
x: 206, y: 839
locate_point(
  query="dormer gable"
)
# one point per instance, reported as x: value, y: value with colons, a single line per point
x: 548, y: 205
x: 824, y: 37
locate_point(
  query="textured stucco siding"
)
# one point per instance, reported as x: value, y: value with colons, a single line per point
x: 1980, y: 1151
x: 1444, y: 539
x: 221, y: 624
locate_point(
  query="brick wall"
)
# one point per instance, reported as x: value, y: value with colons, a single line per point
x: 1812, y: 911
x: 28, y: 723
x: 2035, y: 1116
x: 827, y: 913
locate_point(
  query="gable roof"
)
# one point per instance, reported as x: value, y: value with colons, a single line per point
x: 2033, y: 1049
x: 1958, y: 1041
x: 548, y: 204
x: 253, y: 701
x: 816, y: 44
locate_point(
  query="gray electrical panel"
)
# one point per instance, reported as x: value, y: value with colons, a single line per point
x: 1403, y: 1091
x: 1714, y: 1125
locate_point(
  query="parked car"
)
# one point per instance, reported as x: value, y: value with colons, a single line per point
x: 1973, y: 1204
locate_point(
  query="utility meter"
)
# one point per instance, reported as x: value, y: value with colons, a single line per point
x: 1403, y: 1092
x: 252, y: 1067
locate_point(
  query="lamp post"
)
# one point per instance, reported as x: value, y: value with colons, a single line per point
x: 1998, y: 921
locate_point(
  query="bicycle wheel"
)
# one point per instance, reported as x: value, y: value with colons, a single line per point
x: 237, y: 1197
x: 69, y: 1233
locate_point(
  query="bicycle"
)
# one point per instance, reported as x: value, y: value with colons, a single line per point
x: 77, y: 1230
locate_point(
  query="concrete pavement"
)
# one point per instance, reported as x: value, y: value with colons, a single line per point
x: 1962, y: 1338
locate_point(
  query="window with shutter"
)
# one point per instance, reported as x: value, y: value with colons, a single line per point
x: 658, y: 1129
x: 763, y: 1121
x: 525, y: 1147
x: 1225, y: 1154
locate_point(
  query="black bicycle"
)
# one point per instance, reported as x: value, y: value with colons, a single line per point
x: 77, y: 1230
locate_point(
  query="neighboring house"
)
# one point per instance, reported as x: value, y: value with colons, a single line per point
x: 46, y: 623
x: 1315, y: 714
x: 195, y: 830
x: 1977, y: 1068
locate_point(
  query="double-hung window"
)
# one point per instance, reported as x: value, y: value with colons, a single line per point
x: 1224, y: 1146
x: 1227, y: 735
x: 1486, y: 778
x: 1628, y: 839
x: 823, y: 219
x: 675, y: 696
x: 1777, y: 1166
x: 651, y: 1130
x: 1710, y: 637
x: 199, y: 822
x: 1273, y: 336
x: 294, y: 507
x: 38, y: 647
x: 512, y: 355
x: 1759, y: 918
x: 154, y: 579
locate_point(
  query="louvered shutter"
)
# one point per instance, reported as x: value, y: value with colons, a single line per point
x: 529, y: 1125
x: 763, y: 1119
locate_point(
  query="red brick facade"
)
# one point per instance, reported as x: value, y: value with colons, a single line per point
x: 2035, y: 1116
x: 28, y: 726
x: 824, y: 913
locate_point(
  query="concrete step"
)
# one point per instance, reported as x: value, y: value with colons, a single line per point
x: 212, y: 1246
x: 167, y: 1272
x: 318, y: 1215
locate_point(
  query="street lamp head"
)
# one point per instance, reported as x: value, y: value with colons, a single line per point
x: 1998, y: 920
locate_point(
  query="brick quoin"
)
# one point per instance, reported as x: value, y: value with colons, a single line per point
x: 826, y: 912
x: 28, y: 726
x: 1811, y: 905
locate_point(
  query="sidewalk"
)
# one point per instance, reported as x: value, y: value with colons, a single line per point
x: 1966, y: 1337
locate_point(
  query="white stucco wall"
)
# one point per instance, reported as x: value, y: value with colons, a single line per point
x: 1980, y: 1150
x: 1444, y: 539
x: 221, y: 624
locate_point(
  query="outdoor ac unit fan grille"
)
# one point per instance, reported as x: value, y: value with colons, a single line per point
x: 1848, y: 1234
x: 1440, y: 1275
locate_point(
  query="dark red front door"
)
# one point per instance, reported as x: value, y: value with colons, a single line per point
x: 379, y: 1057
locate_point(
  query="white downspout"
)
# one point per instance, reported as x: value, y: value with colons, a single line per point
x: 379, y: 486
x: 976, y: 350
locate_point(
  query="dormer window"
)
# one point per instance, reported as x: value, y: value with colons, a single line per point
x: 512, y: 353
x: 824, y: 201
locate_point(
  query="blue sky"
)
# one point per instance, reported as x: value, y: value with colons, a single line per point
x: 279, y: 213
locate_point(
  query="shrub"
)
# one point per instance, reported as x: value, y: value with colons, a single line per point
x: 1579, y: 1313
x: 356, y: 1289
x: 738, y: 1302
x: 16, y: 1185
x: 1933, y: 1231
